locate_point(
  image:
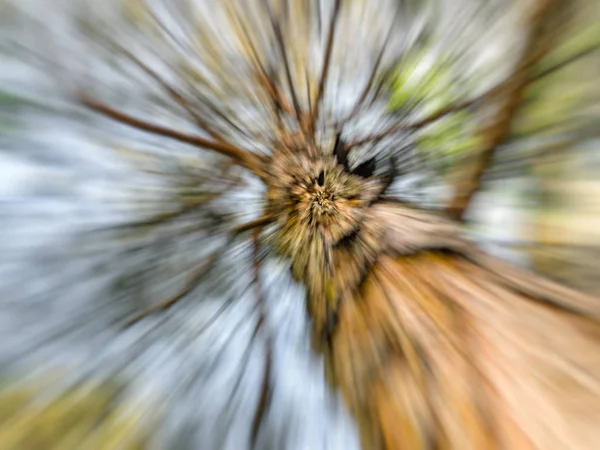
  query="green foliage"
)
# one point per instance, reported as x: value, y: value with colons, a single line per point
x: 9, y: 105
x: 82, y: 418
x: 423, y: 79
x: 555, y: 103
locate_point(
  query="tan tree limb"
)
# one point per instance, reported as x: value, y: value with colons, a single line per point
x: 495, y: 131
x: 242, y: 157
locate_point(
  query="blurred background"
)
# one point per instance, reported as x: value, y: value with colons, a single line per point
x: 99, y: 221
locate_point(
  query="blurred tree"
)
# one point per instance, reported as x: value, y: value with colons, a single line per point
x: 190, y: 153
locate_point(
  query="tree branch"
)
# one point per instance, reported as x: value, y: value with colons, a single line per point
x: 423, y: 122
x: 456, y: 107
x: 198, y: 273
x: 286, y: 65
x: 326, y: 59
x: 258, y: 223
x: 580, y: 54
x: 495, y: 131
x: 173, y: 93
x: 267, y: 383
x: 373, y: 74
x: 242, y: 157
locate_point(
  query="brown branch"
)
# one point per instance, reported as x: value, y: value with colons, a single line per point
x: 308, y: 96
x: 242, y: 157
x: 165, y: 217
x: 113, y: 45
x: 258, y: 223
x: 205, y: 101
x: 265, y: 395
x: 495, y: 131
x: 439, y: 114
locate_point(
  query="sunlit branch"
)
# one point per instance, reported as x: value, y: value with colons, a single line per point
x: 539, y: 288
x: 541, y: 244
x: 241, y: 157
